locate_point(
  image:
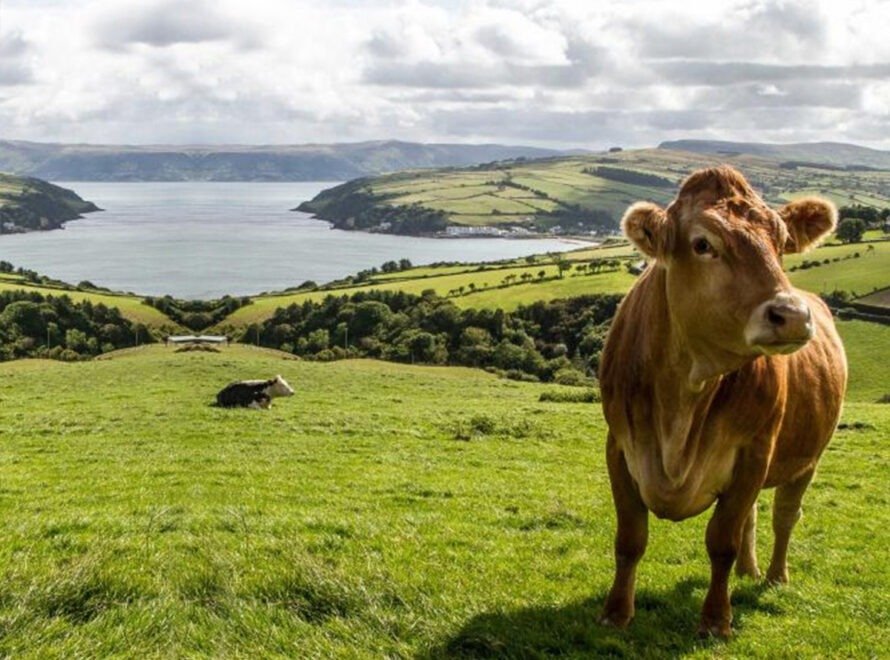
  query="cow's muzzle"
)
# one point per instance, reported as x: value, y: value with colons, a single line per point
x: 782, y: 324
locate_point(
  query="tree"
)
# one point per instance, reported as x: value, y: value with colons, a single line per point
x: 76, y: 340
x: 850, y: 230
x: 562, y: 264
x: 318, y: 340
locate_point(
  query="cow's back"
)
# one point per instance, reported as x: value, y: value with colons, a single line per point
x: 239, y: 394
x: 817, y: 381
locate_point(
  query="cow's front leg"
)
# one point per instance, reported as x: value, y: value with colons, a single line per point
x: 746, y: 564
x: 630, y: 538
x: 723, y: 539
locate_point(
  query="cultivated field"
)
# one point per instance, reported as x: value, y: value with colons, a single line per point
x: 514, y: 192
x: 385, y: 510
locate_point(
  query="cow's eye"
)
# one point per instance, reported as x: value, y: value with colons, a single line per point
x: 702, y: 247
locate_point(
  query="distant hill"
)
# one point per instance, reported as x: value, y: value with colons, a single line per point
x: 28, y: 204
x: 573, y: 194
x: 838, y: 154
x: 308, y: 162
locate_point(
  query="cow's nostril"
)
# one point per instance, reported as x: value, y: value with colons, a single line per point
x: 774, y: 317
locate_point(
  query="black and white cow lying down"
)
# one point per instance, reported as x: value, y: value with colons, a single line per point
x: 253, y: 393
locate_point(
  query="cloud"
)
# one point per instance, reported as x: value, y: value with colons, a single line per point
x: 546, y: 72
x: 429, y: 75
x: 756, y: 30
x: 718, y: 74
x: 170, y: 22
x: 14, y: 70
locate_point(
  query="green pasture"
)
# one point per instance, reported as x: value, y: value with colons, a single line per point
x: 386, y: 511
x: 131, y: 307
x: 489, y: 283
x: 571, y: 285
x: 860, y: 276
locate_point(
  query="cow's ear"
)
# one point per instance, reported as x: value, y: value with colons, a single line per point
x: 809, y: 221
x: 645, y: 224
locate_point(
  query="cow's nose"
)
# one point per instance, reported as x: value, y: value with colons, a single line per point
x: 790, y: 318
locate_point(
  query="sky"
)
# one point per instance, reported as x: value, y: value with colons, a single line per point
x: 587, y: 74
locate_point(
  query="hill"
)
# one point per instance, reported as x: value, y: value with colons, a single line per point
x: 307, y: 162
x: 28, y: 204
x: 859, y: 269
x: 385, y: 510
x: 830, y: 154
x: 131, y: 307
x: 570, y: 195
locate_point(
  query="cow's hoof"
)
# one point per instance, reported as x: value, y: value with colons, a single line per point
x: 616, y: 619
x: 777, y: 578
x: 718, y: 629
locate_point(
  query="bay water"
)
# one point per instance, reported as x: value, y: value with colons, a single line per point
x: 204, y: 240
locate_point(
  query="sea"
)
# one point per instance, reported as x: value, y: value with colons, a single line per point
x: 202, y: 240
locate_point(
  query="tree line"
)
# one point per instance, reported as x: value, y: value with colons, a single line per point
x: 56, y: 327
x: 549, y: 341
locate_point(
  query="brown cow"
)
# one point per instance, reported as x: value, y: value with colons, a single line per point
x: 718, y: 379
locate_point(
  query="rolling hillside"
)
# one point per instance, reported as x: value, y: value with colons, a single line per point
x: 575, y: 195
x: 307, y: 162
x: 506, y: 285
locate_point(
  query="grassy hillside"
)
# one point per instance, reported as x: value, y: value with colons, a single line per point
x: 384, y: 510
x: 28, y: 204
x: 487, y: 288
x: 577, y: 193
x: 488, y: 279
x: 859, y: 276
x: 131, y: 307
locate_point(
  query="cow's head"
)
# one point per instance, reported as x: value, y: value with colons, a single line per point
x: 279, y: 387
x: 721, y: 247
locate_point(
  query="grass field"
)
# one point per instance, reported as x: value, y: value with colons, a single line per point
x: 130, y: 306
x: 447, y: 279
x: 860, y: 276
x: 870, y: 271
x: 385, y: 511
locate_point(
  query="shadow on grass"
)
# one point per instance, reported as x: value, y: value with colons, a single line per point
x: 665, y: 626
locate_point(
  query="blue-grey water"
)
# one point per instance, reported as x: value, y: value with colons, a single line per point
x: 203, y: 240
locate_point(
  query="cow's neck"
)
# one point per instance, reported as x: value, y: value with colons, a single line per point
x: 684, y: 386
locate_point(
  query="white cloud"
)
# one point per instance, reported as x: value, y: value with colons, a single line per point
x: 537, y: 71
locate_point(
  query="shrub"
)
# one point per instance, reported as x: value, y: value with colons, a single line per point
x: 588, y: 395
x: 569, y: 376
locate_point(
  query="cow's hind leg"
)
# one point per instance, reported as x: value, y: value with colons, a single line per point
x: 786, y: 513
x: 746, y: 564
x: 630, y: 539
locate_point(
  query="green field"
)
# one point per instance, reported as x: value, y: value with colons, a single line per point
x: 385, y: 511
x: 130, y: 306
x: 862, y: 275
x: 489, y: 283
x: 859, y: 276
